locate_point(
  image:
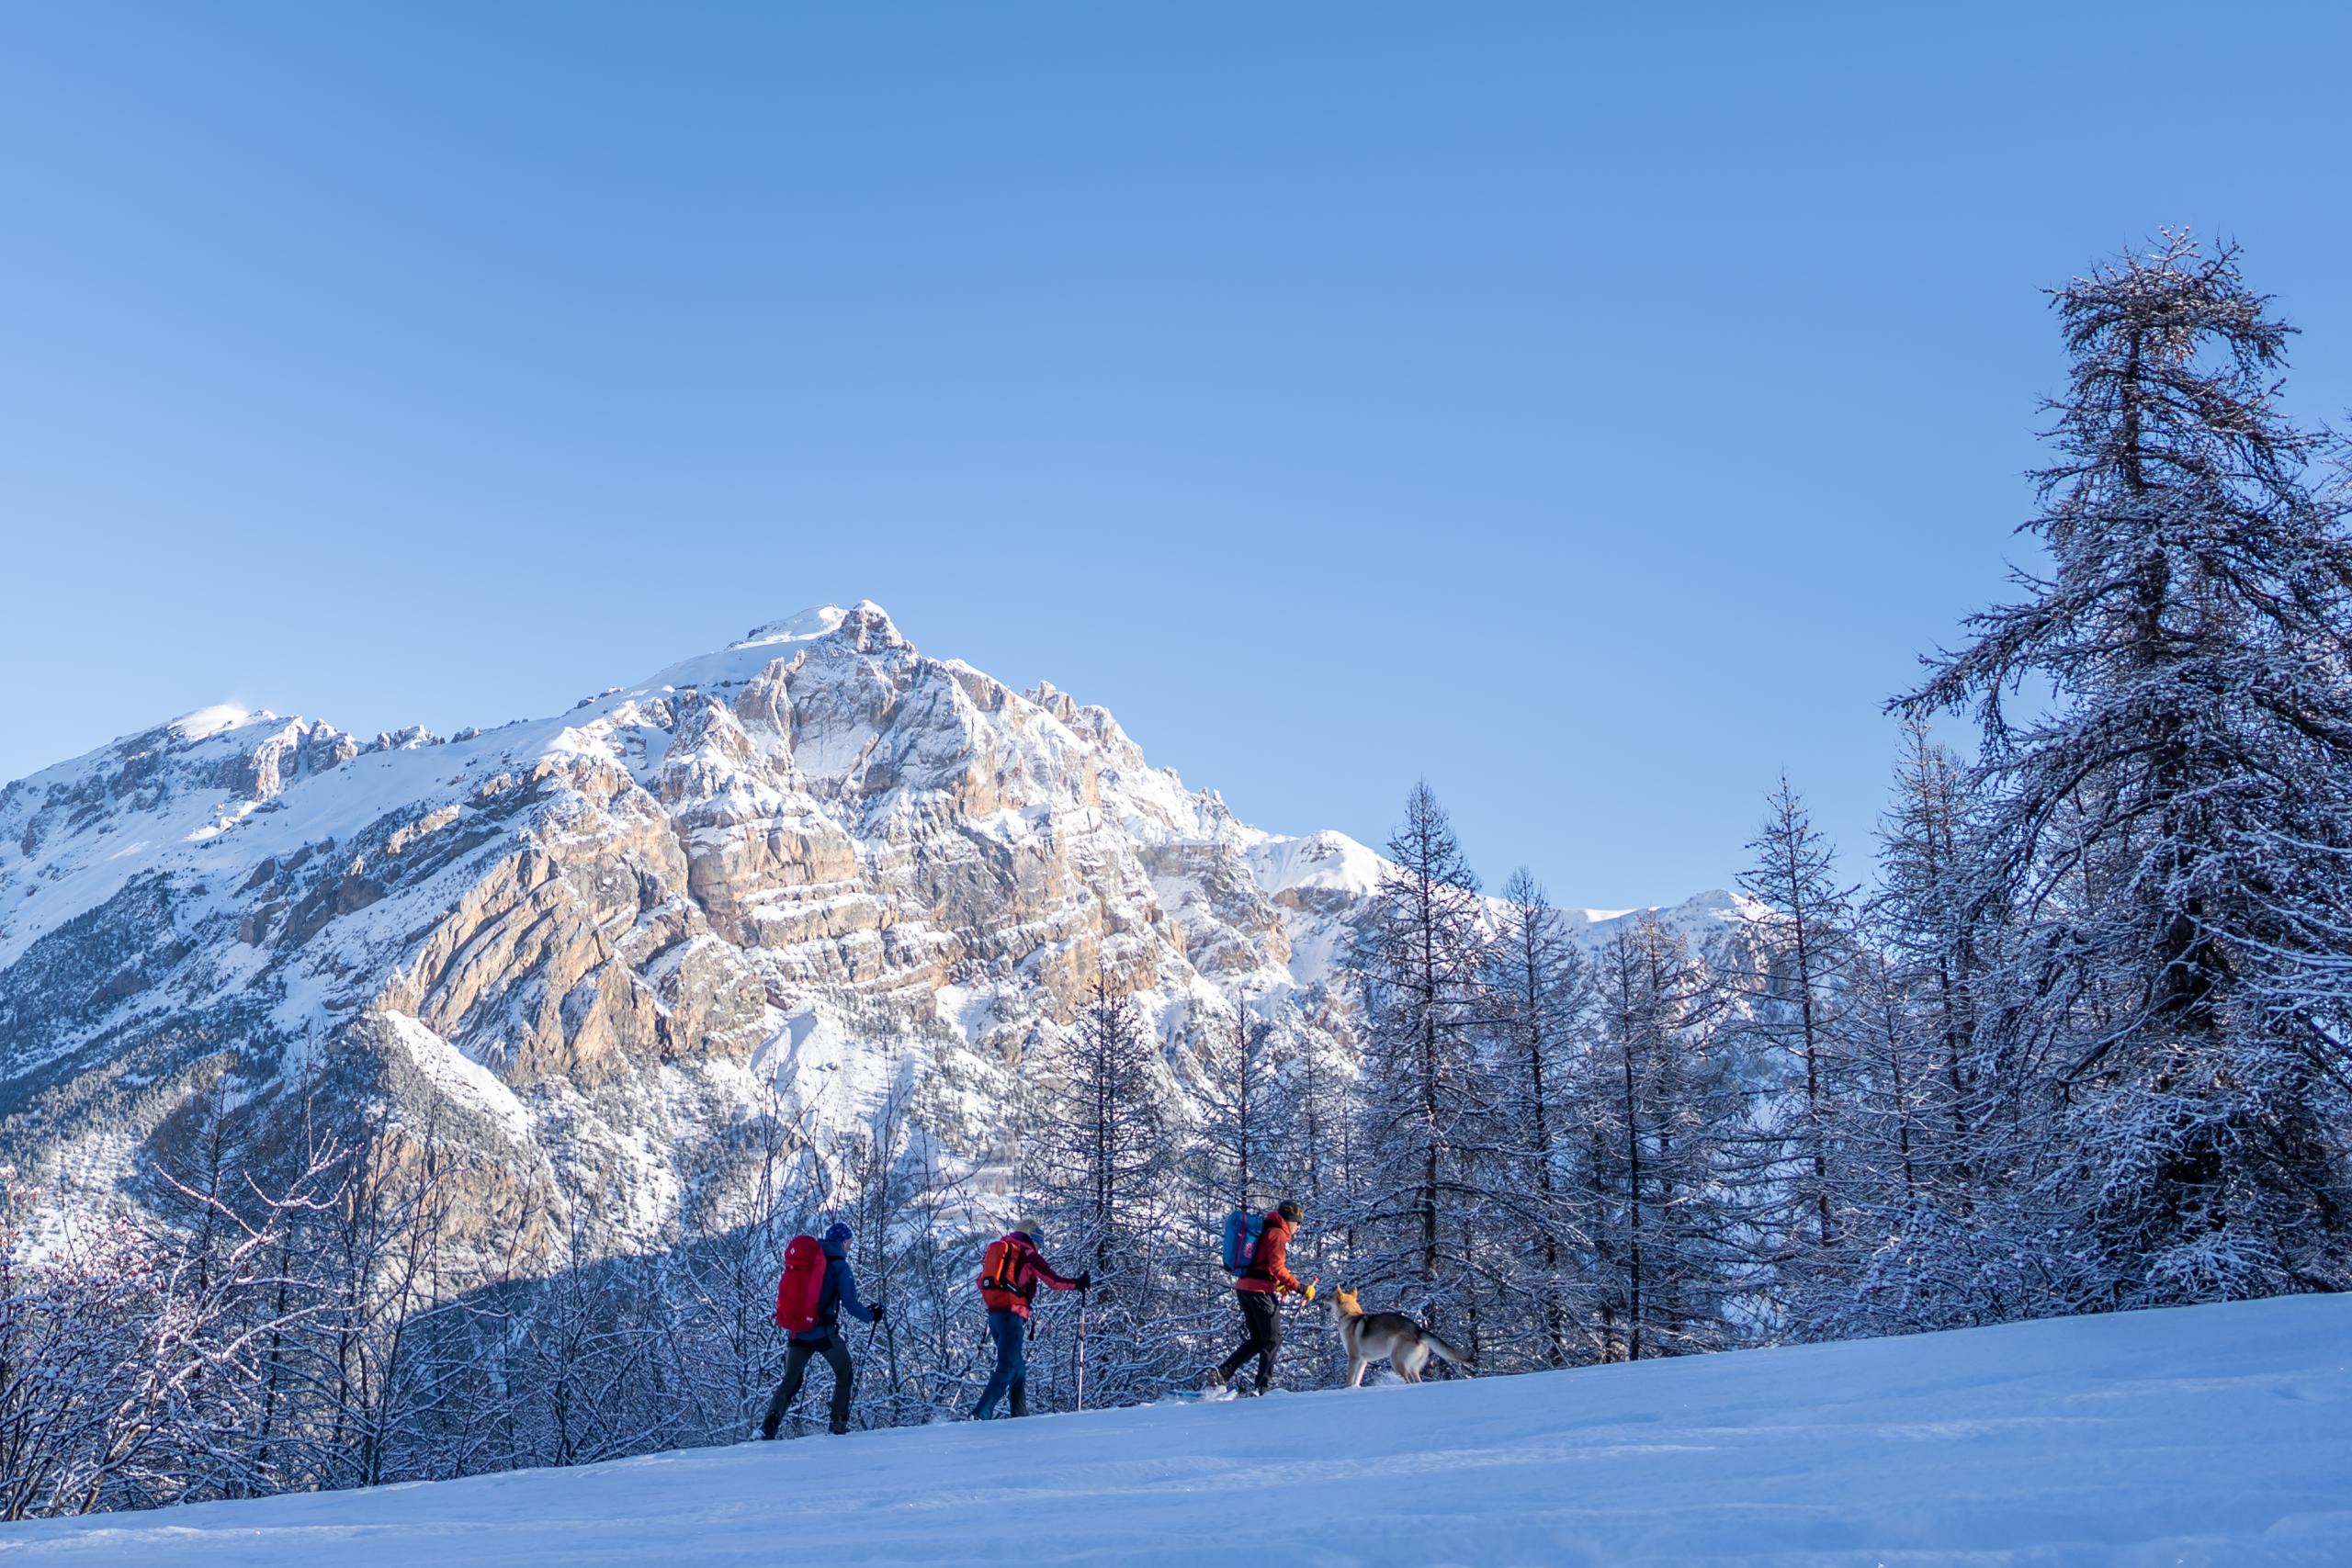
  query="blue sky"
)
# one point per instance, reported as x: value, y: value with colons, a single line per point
x: 1595, y: 409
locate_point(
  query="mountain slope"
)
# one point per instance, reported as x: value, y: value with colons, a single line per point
x: 2205, y: 1435
x: 809, y: 870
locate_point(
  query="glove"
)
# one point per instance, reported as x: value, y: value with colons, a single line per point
x: 877, y: 1308
x: 1310, y: 1290
x: 1086, y: 1280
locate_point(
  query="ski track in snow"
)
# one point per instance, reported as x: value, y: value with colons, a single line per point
x: 2215, y: 1436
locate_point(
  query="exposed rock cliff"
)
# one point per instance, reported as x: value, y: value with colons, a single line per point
x: 815, y: 866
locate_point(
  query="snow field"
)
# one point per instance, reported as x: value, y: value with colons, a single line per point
x: 2218, y: 1435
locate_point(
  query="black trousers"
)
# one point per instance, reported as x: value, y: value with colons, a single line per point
x: 1261, y: 1316
x: 795, y: 1363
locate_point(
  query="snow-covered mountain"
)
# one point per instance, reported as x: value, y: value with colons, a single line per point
x: 815, y: 865
x: 2210, y: 1436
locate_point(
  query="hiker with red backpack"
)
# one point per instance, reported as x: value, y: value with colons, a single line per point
x: 816, y: 1289
x: 1011, y: 1271
x: 1255, y: 1247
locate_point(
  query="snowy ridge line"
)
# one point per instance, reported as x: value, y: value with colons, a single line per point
x: 766, y: 877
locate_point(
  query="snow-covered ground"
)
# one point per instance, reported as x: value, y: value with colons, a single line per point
x: 2209, y: 1435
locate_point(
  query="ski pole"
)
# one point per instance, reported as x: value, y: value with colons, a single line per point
x: 1081, y: 1350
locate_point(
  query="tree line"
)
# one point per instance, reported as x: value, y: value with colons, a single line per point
x: 2075, y: 1045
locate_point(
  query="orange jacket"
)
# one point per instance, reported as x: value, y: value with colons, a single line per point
x: 1031, y: 1271
x: 1266, y: 1272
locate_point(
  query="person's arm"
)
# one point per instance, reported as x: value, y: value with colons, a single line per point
x: 1278, y: 1266
x: 850, y: 1303
x: 1045, y: 1275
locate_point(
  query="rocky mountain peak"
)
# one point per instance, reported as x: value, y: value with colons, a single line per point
x: 865, y: 627
x: 815, y: 869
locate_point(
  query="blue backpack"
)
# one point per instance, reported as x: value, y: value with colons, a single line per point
x: 1242, y: 1229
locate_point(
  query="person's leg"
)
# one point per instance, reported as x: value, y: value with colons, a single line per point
x: 844, y: 1378
x: 796, y: 1364
x: 1270, y: 1339
x: 1249, y: 1347
x: 1017, y: 1381
x: 1004, y: 1331
x: 1019, y: 1386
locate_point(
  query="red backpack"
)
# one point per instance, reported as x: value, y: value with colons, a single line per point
x: 803, y: 1285
x: 1001, y: 1266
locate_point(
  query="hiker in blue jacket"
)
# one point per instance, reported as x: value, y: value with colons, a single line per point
x: 840, y: 1295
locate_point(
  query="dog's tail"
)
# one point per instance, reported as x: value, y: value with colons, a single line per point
x: 1447, y: 1352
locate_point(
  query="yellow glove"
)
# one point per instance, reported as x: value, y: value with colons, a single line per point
x: 1310, y: 1286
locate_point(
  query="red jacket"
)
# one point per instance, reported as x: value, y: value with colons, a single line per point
x: 1030, y: 1270
x: 1266, y: 1272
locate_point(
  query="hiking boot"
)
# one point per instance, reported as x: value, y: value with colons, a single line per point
x: 1020, y: 1399
x: 838, y: 1429
x: 1214, y: 1381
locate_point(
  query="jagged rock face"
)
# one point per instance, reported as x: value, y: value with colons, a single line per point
x: 809, y: 866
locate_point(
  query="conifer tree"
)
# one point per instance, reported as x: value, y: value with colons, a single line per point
x: 1313, y: 1126
x: 1419, y: 960
x: 1099, y: 1165
x: 1922, y: 919
x: 1797, y: 995
x: 2156, y: 830
x: 1535, y: 1001
x: 1233, y: 1055
x: 1664, y: 1236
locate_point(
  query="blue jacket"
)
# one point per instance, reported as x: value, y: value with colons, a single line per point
x: 838, y: 1296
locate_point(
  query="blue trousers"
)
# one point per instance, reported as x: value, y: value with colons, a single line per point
x: 1010, y: 1330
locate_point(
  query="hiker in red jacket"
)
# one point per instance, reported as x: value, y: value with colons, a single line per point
x: 1009, y: 1275
x: 1260, y: 1290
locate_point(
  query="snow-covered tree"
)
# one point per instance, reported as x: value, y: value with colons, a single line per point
x: 1314, y: 1128
x: 1665, y: 1237
x: 2168, y: 833
x: 1795, y: 985
x: 1418, y: 1201
x: 137, y: 1362
x: 1100, y: 1167
x: 1928, y: 921
x: 736, y: 1221
x: 1536, y: 999
x: 1232, y: 1050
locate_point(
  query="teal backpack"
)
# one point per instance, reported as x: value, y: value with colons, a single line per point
x: 1242, y: 1230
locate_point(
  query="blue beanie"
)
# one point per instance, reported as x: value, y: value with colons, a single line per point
x: 838, y: 1232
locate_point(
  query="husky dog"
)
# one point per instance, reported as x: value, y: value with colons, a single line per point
x: 1369, y: 1335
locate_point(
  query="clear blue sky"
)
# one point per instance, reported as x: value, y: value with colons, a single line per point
x: 1595, y: 409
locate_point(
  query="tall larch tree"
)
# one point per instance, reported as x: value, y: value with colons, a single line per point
x: 1536, y: 999
x: 1665, y: 1234
x: 1798, y: 993
x: 2159, y: 825
x: 1419, y: 960
x: 1100, y: 1167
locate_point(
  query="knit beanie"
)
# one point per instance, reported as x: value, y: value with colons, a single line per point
x: 838, y: 1232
